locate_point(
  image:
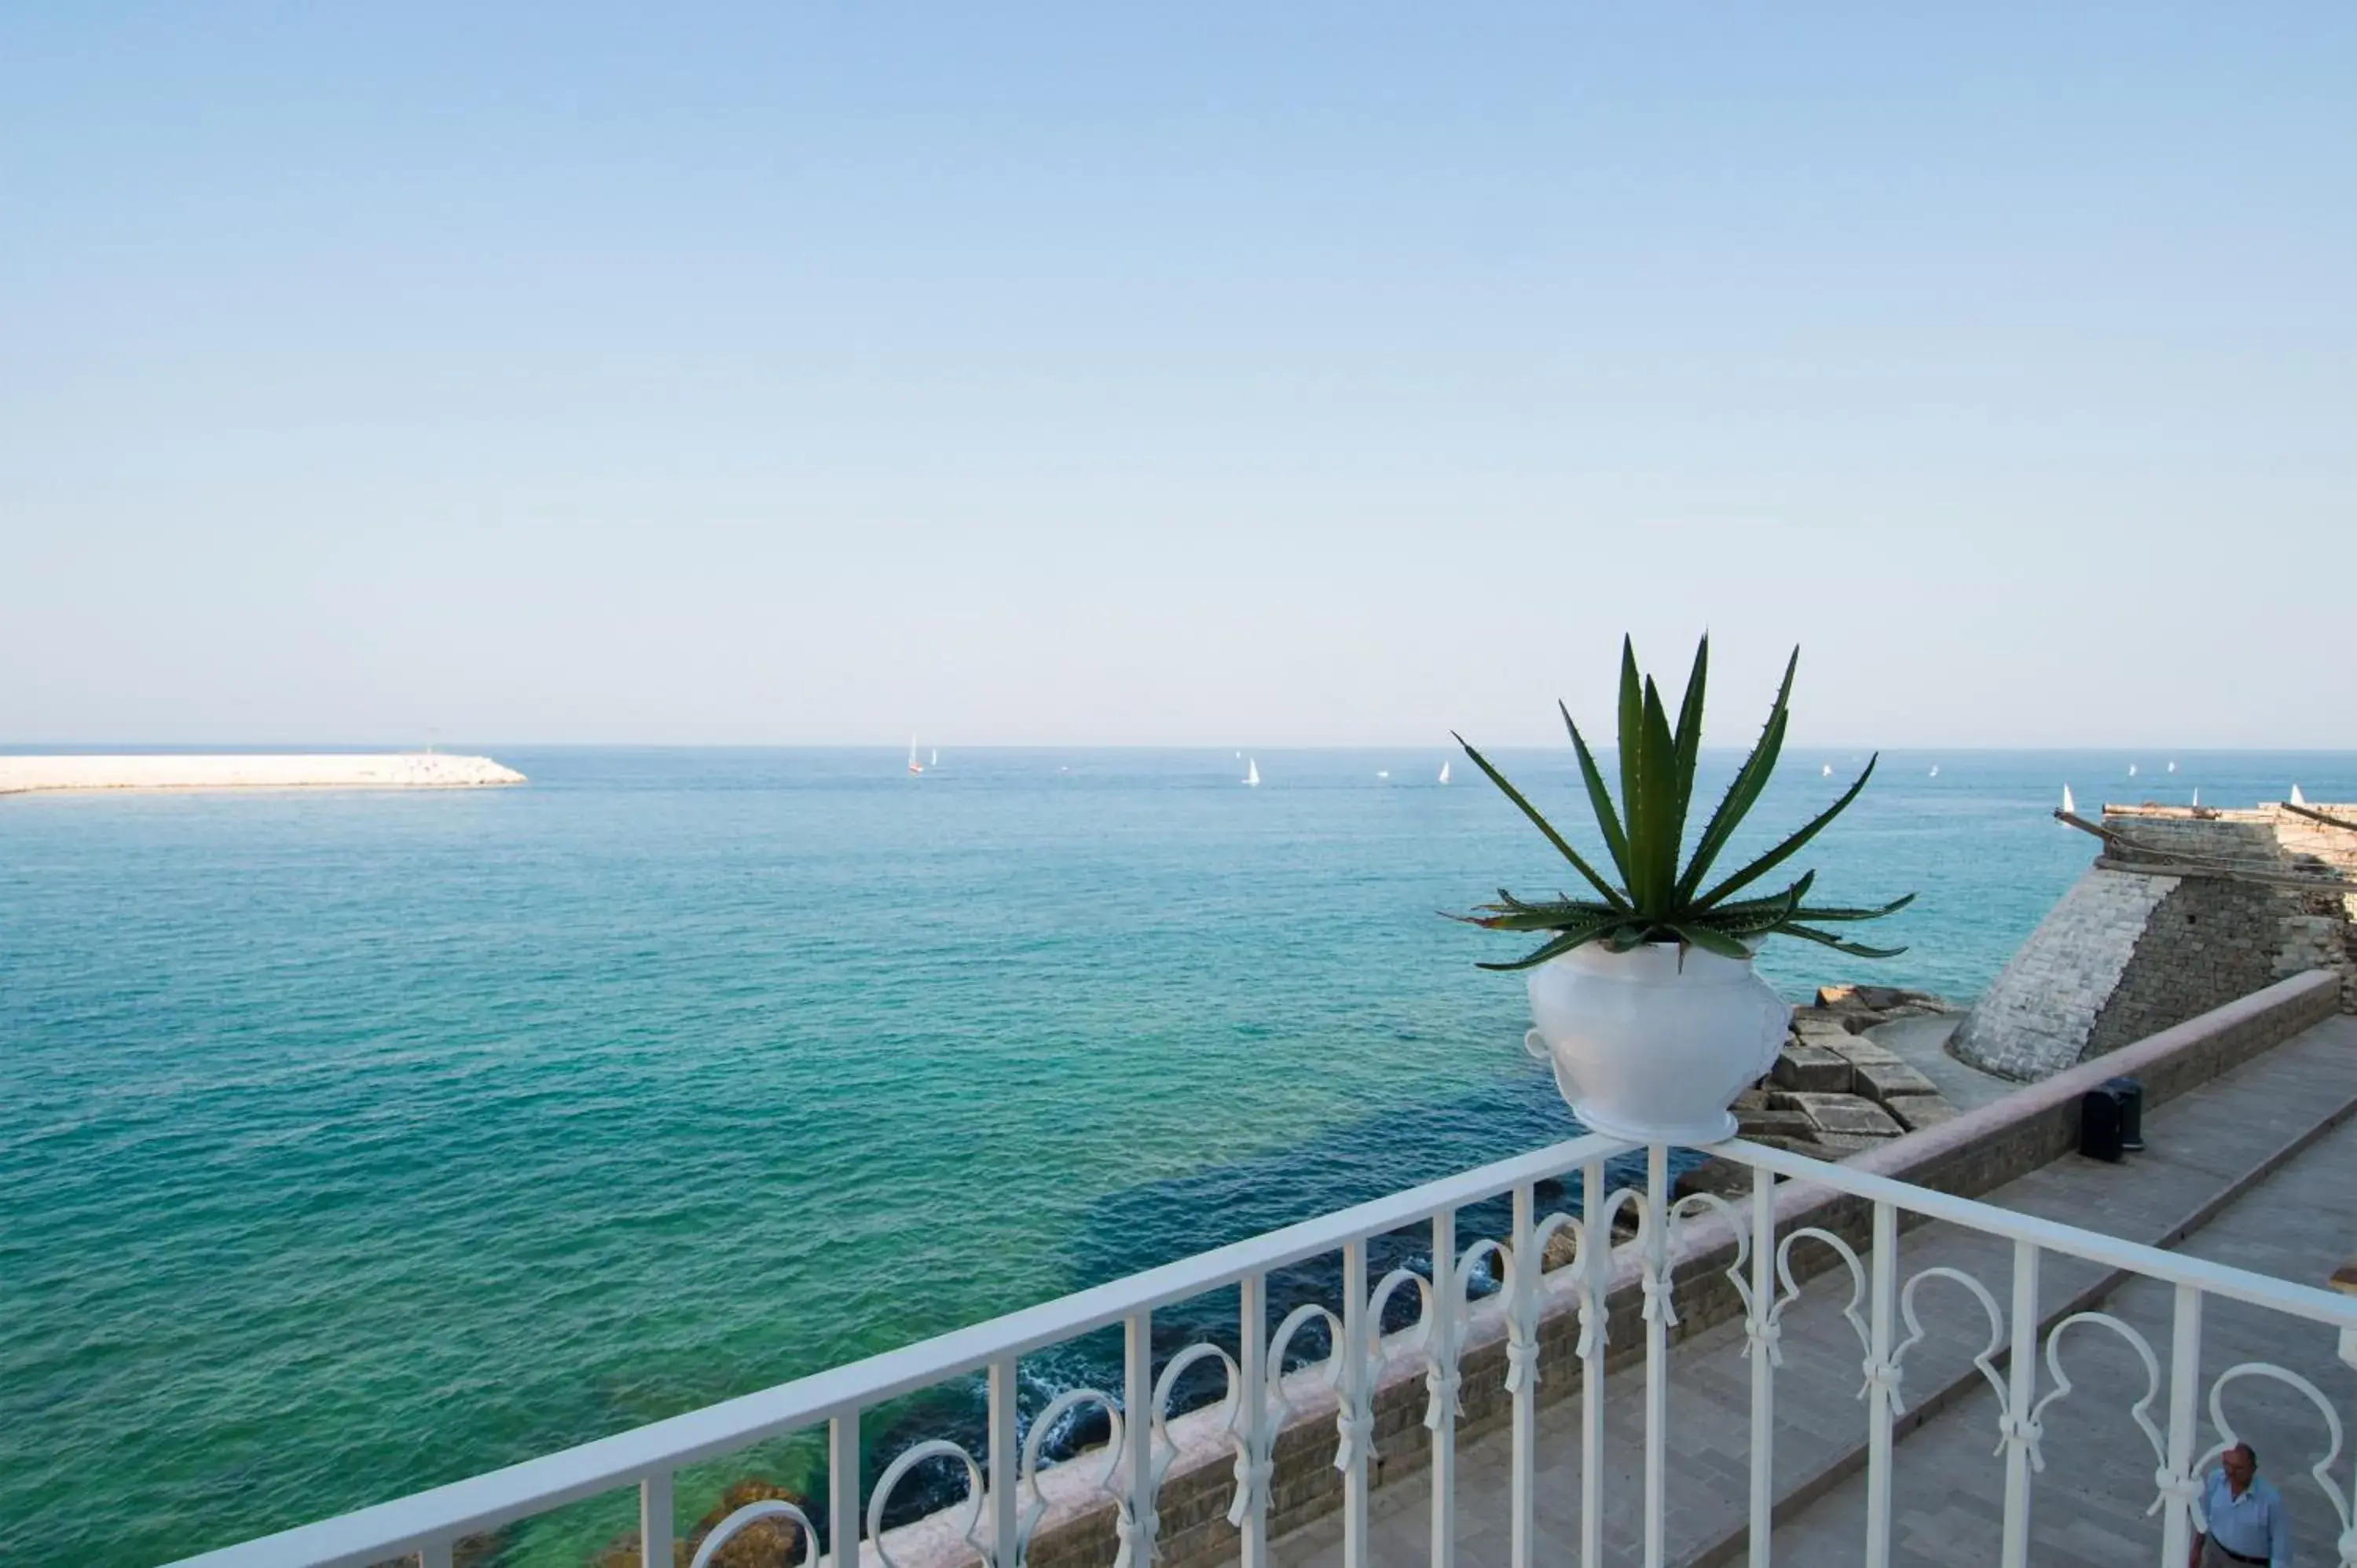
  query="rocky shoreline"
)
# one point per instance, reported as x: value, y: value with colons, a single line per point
x: 1833, y: 1091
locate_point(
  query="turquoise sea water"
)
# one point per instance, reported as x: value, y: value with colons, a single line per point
x: 351, y: 1144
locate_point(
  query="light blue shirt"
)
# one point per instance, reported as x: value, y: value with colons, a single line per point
x: 2253, y: 1525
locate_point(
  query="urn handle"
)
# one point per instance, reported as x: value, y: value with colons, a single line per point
x: 1535, y: 1043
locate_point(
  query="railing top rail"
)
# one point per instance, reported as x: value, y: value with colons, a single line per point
x: 2177, y: 1268
x: 481, y: 1502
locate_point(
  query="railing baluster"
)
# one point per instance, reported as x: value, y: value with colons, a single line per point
x: 1441, y: 1344
x: 1595, y: 1264
x: 1005, y: 1462
x: 1879, y: 1374
x: 843, y: 1487
x: 2184, y: 1393
x: 1657, y: 1354
x: 1357, y: 1426
x: 2021, y: 1396
x: 655, y: 1524
x: 1763, y: 1371
x: 1137, y: 1432
x: 1524, y: 1311
x: 1251, y: 1371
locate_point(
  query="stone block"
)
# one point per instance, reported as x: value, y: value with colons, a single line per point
x: 1880, y: 1081
x: 1917, y: 1111
x: 1859, y: 1051
x: 1847, y: 1114
x: 1757, y: 1122
x: 1811, y: 1068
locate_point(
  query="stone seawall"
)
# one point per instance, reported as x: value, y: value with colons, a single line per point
x: 2185, y: 910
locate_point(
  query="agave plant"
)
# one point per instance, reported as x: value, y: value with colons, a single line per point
x: 1657, y: 900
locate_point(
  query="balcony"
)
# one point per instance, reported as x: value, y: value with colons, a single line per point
x: 1793, y: 1360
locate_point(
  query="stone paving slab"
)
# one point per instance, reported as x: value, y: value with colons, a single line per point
x: 2203, y: 1148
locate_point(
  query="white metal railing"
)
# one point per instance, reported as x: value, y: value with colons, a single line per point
x: 1005, y: 1501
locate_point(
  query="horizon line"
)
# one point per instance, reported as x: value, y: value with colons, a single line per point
x: 467, y: 746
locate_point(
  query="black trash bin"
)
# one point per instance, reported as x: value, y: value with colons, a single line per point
x: 2110, y: 1118
x: 2131, y: 1094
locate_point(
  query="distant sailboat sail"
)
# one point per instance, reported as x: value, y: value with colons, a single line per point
x: 2172, y: 767
x: 1252, y: 771
x: 937, y: 756
x: 2297, y: 798
x: 1827, y: 771
x: 1936, y: 771
x: 1444, y: 773
x: 2131, y: 769
x: 2197, y: 794
x: 914, y: 766
x: 1382, y: 772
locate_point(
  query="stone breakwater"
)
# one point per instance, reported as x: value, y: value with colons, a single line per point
x: 327, y: 770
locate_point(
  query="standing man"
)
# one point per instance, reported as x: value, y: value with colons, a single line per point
x: 2246, y: 1517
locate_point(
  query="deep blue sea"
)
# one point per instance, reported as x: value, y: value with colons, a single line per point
x: 355, y: 1142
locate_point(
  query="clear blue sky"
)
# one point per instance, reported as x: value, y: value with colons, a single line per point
x: 1196, y: 374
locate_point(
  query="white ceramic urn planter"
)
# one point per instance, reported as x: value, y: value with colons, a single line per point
x: 1652, y: 1045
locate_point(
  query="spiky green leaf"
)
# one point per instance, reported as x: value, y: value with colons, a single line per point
x: 1743, y: 791
x: 1785, y: 851
x: 1653, y: 836
x: 1689, y: 736
x: 1610, y: 895
x: 1694, y: 933
x: 1555, y: 949
x: 1633, y: 714
x: 1600, y: 798
x: 1827, y: 939
x: 1839, y: 913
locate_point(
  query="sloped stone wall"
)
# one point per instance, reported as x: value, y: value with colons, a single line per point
x: 2035, y: 1017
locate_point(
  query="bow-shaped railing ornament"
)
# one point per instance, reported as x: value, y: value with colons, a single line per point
x: 2141, y: 1410
x: 1773, y: 1330
x: 938, y: 1448
x: 751, y: 1514
x: 1034, y: 1508
x: 1756, y: 1329
x: 1985, y: 1358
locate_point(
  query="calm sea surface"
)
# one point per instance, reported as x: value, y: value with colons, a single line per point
x: 351, y: 1144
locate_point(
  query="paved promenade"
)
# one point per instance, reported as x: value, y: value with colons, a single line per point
x: 2205, y: 1149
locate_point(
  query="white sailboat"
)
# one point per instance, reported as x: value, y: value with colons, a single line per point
x: 2297, y: 798
x: 1827, y: 771
x: 1252, y: 771
x: 2197, y: 794
x: 2069, y: 807
x: 1444, y: 773
x: 937, y: 757
x: 2131, y: 769
x: 914, y: 766
x: 2172, y: 767
x: 1936, y: 771
x: 1382, y: 772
